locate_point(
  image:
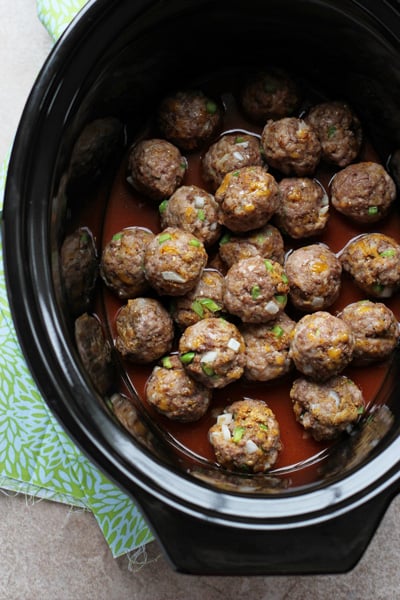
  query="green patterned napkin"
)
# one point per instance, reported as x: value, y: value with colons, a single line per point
x: 36, y: 455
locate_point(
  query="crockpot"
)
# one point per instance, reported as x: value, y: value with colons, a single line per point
x: 116, y: 60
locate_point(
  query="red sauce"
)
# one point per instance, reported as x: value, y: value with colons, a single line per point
x: 126, y: 208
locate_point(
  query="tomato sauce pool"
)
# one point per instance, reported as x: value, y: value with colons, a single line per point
x: 301, y: 454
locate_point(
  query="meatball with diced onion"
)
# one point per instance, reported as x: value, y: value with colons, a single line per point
x: 266, y: 242
x: 213, y: 352
x: 174, y: 261
x: 327, y: 409
x: 246, y: 437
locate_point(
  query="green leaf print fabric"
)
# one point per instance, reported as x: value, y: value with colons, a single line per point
x: 36, y: 456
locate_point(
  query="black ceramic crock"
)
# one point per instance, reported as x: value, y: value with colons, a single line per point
x: 116, y: 60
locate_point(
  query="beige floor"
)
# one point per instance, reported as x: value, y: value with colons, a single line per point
x: 51, y: 552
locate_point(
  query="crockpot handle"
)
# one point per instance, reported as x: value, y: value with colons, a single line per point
x: 201, y: 547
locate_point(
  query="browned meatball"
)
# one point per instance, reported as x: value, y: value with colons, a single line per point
x: 291, y: 146
x: 231, y: 152
x: 248, y: 198
x: 122, y: 259
x: 155, y: 168
x: 339, y: 131
x: 192, y: 209
x: 327, y: 409
x: 203, y: 302
x: 304, y: 207
x: 375, y: 329
x: 322, y: 345
x: 266, y: 242
x: 95, y: 352
x: 364, y: 192
x: 212, y: 351
x: 314, y: 274
x: 145, y: 330
x: 267, y: 348
x: 271, y: 94
x: 256, y: 289
x: 79, y: 269
x: 373, y: 261
x: 174, y: 261
x: 174, y: 394
x: 246, y: 437
x: 189, y: 119
x: 130, y: 419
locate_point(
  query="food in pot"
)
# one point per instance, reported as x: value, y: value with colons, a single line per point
x: 322, y: 345
x: 174, y: 394
x: 202, y: 302
x: 95, y: 352
x: 189, y: 119
x: 246, y: 437
x: 373, y: 261
x: 291, y: 146
x: 145, y: 330
x: 304, y: 207
x: 128, y: 416
x: 266, y: 241
x: 155, y: 168
x: 174, y: 261
x: 375, y: 329
x: 248, y: 197
x: 121, y: 265
x: 327, y: 409
x: 364, y: 192
x: 267, y: 348
x: 192, y: 209
x: 256, y: 289
x: 231, y: 152
x: 314, y: 275
x: 269, y: 94
x: 213, y: 352
x: 338, y: 129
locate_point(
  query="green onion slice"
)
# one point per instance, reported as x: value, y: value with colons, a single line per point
x: 207, y: 370
x: 195, y: 243
x: 388, y: 253
x: 188, y: 357
x: 201, y: 215
x: 331, y: 131
x: 211, y: 107
x: 255, y: 292
x: 116, y: 237
x: 166, y: 362
x: 237, y: 434
x: 163, y: 206
x: 277, y: 331
x: 164, y: 237
x: 225, y: 239
x: 281, y: 298
x: 268, y: 265
x: 372, y: 210
x: 263, y: 427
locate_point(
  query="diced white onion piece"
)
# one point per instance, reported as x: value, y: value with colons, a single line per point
x: 325, y: 200
x: 272, y: 308
x: 209, y: 356
x: 199, y: 201
x: 213, y: 226
x: 323, y: 211
x: 226, y: 434
x: 173, y: 276
x: 224, y: 419
x: 214, y: 435
x: 129, y: 180
x: 238, y: 156
x: 233, y: 344
x: 243, y: 144
x: 317, y: 302
x: 251, y: 447
x: 335, y: 397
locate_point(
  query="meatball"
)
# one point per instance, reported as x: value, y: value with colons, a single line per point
x: 174, y: 394
x: 304, y: 207
x: 271, y: 94
x: 266, y: 242
x: 174, y: 261
x: 122, y: 259
x: 291, y: 146
x: 375, y: 329
x: 95, y: 352
x: 155, y: 168
x: 363, y: 192
x: 145, y: 330
x: 327, y: 409
x: 322, y: 345
x: 231, y: 152
x: 267, y: 348
x: 246, y: 437
x: 339, y: 131
x: 248, y: 198
x: 130, y: 419
x: 79, y: 269
x: 373, y: 261
x: 192, y: 209
x: 204, y: 301
x: 189, y: 119
x: 314, y: 275
x: 212, y: 352
x: 256, y: 289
